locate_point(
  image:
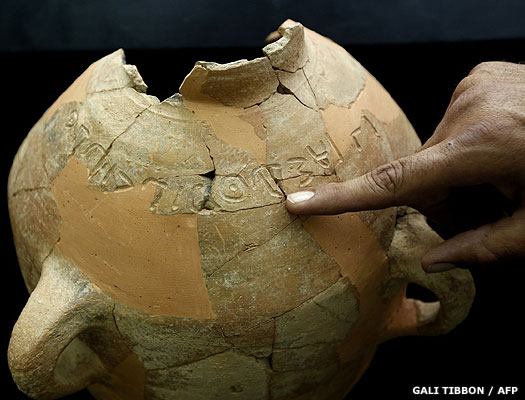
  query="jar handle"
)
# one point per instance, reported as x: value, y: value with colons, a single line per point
x: 63, y: 304
x: 454, y: 289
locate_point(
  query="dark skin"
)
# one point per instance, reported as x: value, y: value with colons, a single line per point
x: 468, y: 179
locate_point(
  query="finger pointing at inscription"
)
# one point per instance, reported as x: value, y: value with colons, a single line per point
x: 468, y: 178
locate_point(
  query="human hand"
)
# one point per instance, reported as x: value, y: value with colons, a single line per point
x: 468, y: 178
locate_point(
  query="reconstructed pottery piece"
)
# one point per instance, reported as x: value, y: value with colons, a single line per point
x: 161, y: 260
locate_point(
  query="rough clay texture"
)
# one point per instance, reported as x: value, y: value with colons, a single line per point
x: 161, y: 259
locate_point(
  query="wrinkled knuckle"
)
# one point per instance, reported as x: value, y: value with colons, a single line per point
x: 487, y: 67
x: 468, y: 97
x: 387, y: 178
x: 482, y: 130
x: 465, y: 84
x: 489, y: 129
x: 498, y: 125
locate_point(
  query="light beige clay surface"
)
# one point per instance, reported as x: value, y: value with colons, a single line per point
x: 160, y: 257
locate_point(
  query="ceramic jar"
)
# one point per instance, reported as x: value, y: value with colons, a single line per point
x: 161, y: 260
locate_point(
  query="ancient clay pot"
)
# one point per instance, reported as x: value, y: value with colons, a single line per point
x: 161, y: 260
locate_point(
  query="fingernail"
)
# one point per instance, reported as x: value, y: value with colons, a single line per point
x: 299, y: 197
x: 440, y: 267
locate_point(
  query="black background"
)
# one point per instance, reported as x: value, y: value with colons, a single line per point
x: 485, y: 350
x: 100, y: 24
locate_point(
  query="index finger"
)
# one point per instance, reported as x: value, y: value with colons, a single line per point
x: 407, y: 180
